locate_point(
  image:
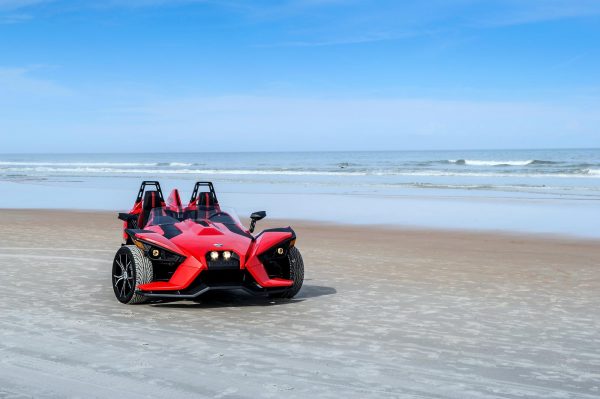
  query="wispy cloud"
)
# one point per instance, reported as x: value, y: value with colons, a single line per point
x: 316, y: 23
x: 22, y: 82
x: 364, y: 122
x: 30, y: 104
x: 514, y: 12
x: 7, y: 5
x: 17, y: 11
x: 335, y: 22
x: 370, y: 38
x: 14, y: 18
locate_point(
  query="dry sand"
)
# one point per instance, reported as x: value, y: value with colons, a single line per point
x: 383, y: 313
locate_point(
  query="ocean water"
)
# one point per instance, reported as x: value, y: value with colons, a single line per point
x: 553, y: 191
x: 544, y: 171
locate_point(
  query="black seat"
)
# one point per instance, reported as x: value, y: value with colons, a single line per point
x: 207, y: 205
x: 151, y: 200
x: 207, y: 199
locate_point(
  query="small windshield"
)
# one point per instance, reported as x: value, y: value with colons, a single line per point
x: 200, y: 214
x: 213, y: 214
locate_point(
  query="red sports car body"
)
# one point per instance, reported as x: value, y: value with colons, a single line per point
x: 180, y: 252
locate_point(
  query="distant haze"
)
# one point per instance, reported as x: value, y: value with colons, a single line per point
x: 298, y: 75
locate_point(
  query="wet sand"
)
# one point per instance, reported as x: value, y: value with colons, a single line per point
x: 383, y: 313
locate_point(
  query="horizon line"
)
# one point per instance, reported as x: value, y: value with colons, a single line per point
x: 302, y: 151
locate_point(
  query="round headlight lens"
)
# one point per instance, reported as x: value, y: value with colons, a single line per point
x: 226, y: 255
x: 214, y: 255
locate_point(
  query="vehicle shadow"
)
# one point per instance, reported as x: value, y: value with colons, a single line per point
x: 236, y: 298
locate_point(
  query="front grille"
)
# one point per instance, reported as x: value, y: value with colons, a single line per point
x: 223, y: 264
x: 222, y: 277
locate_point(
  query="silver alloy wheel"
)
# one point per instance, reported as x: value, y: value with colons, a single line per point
x: 123, y: 276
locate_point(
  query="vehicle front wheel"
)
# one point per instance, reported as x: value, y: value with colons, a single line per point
x: 130, y: 270
x: 296, y: 275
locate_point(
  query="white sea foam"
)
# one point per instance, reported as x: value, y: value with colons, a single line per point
x: 182, y: 164
x: 50, y: 164
x: 92, y: 170
x: 442, y: 173
x: 475, y: 162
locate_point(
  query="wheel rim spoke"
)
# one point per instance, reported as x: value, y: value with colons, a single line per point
x: 123, y: 264
x: 120, y: 263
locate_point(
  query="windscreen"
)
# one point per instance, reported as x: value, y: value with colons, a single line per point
x: 214, y: 214
x: 198, y: 214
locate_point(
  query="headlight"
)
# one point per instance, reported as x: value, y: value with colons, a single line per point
x: 155, y: 253
x: 226, y: 255
x: 214, y: 255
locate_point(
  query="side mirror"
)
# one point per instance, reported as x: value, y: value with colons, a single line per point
x: 256, y: 216
x: 126, y: 217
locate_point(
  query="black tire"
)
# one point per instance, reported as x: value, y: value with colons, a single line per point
x: 130, y: 270
x: 296, y: 275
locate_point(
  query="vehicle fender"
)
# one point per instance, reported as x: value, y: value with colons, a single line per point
x: 269, y: 238
x: 156, y: 239
x: 264, y: 242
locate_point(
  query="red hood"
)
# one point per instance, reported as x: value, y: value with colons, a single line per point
x: 195, y: 239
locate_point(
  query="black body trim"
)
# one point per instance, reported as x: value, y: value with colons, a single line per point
x: 133, y: 232
x: 202, y: 289
x: 234, y: 228
x: 279, y: 230
x: 211, y: 280
x: 170, y: 230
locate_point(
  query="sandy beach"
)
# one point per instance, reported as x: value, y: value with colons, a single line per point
x: 383, y: 313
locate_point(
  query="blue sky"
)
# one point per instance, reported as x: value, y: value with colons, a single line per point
x: 86, y: 76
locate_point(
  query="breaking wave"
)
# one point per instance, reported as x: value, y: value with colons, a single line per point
x: 120, y: 171
x: 103, y: 170
x: 175, y: 164
x: 476, y: 162
x: 92, y: 164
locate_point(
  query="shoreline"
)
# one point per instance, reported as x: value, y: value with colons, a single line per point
x: 571, y: 217
x: 391, y: 228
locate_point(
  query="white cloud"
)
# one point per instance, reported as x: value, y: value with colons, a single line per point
x: 313, y: 114
x: 247, y: 122
x: 14, y: 18
x: 16, y: 4
x: 18, y: 82
x: 517, y: 12
x: 276, y: 123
